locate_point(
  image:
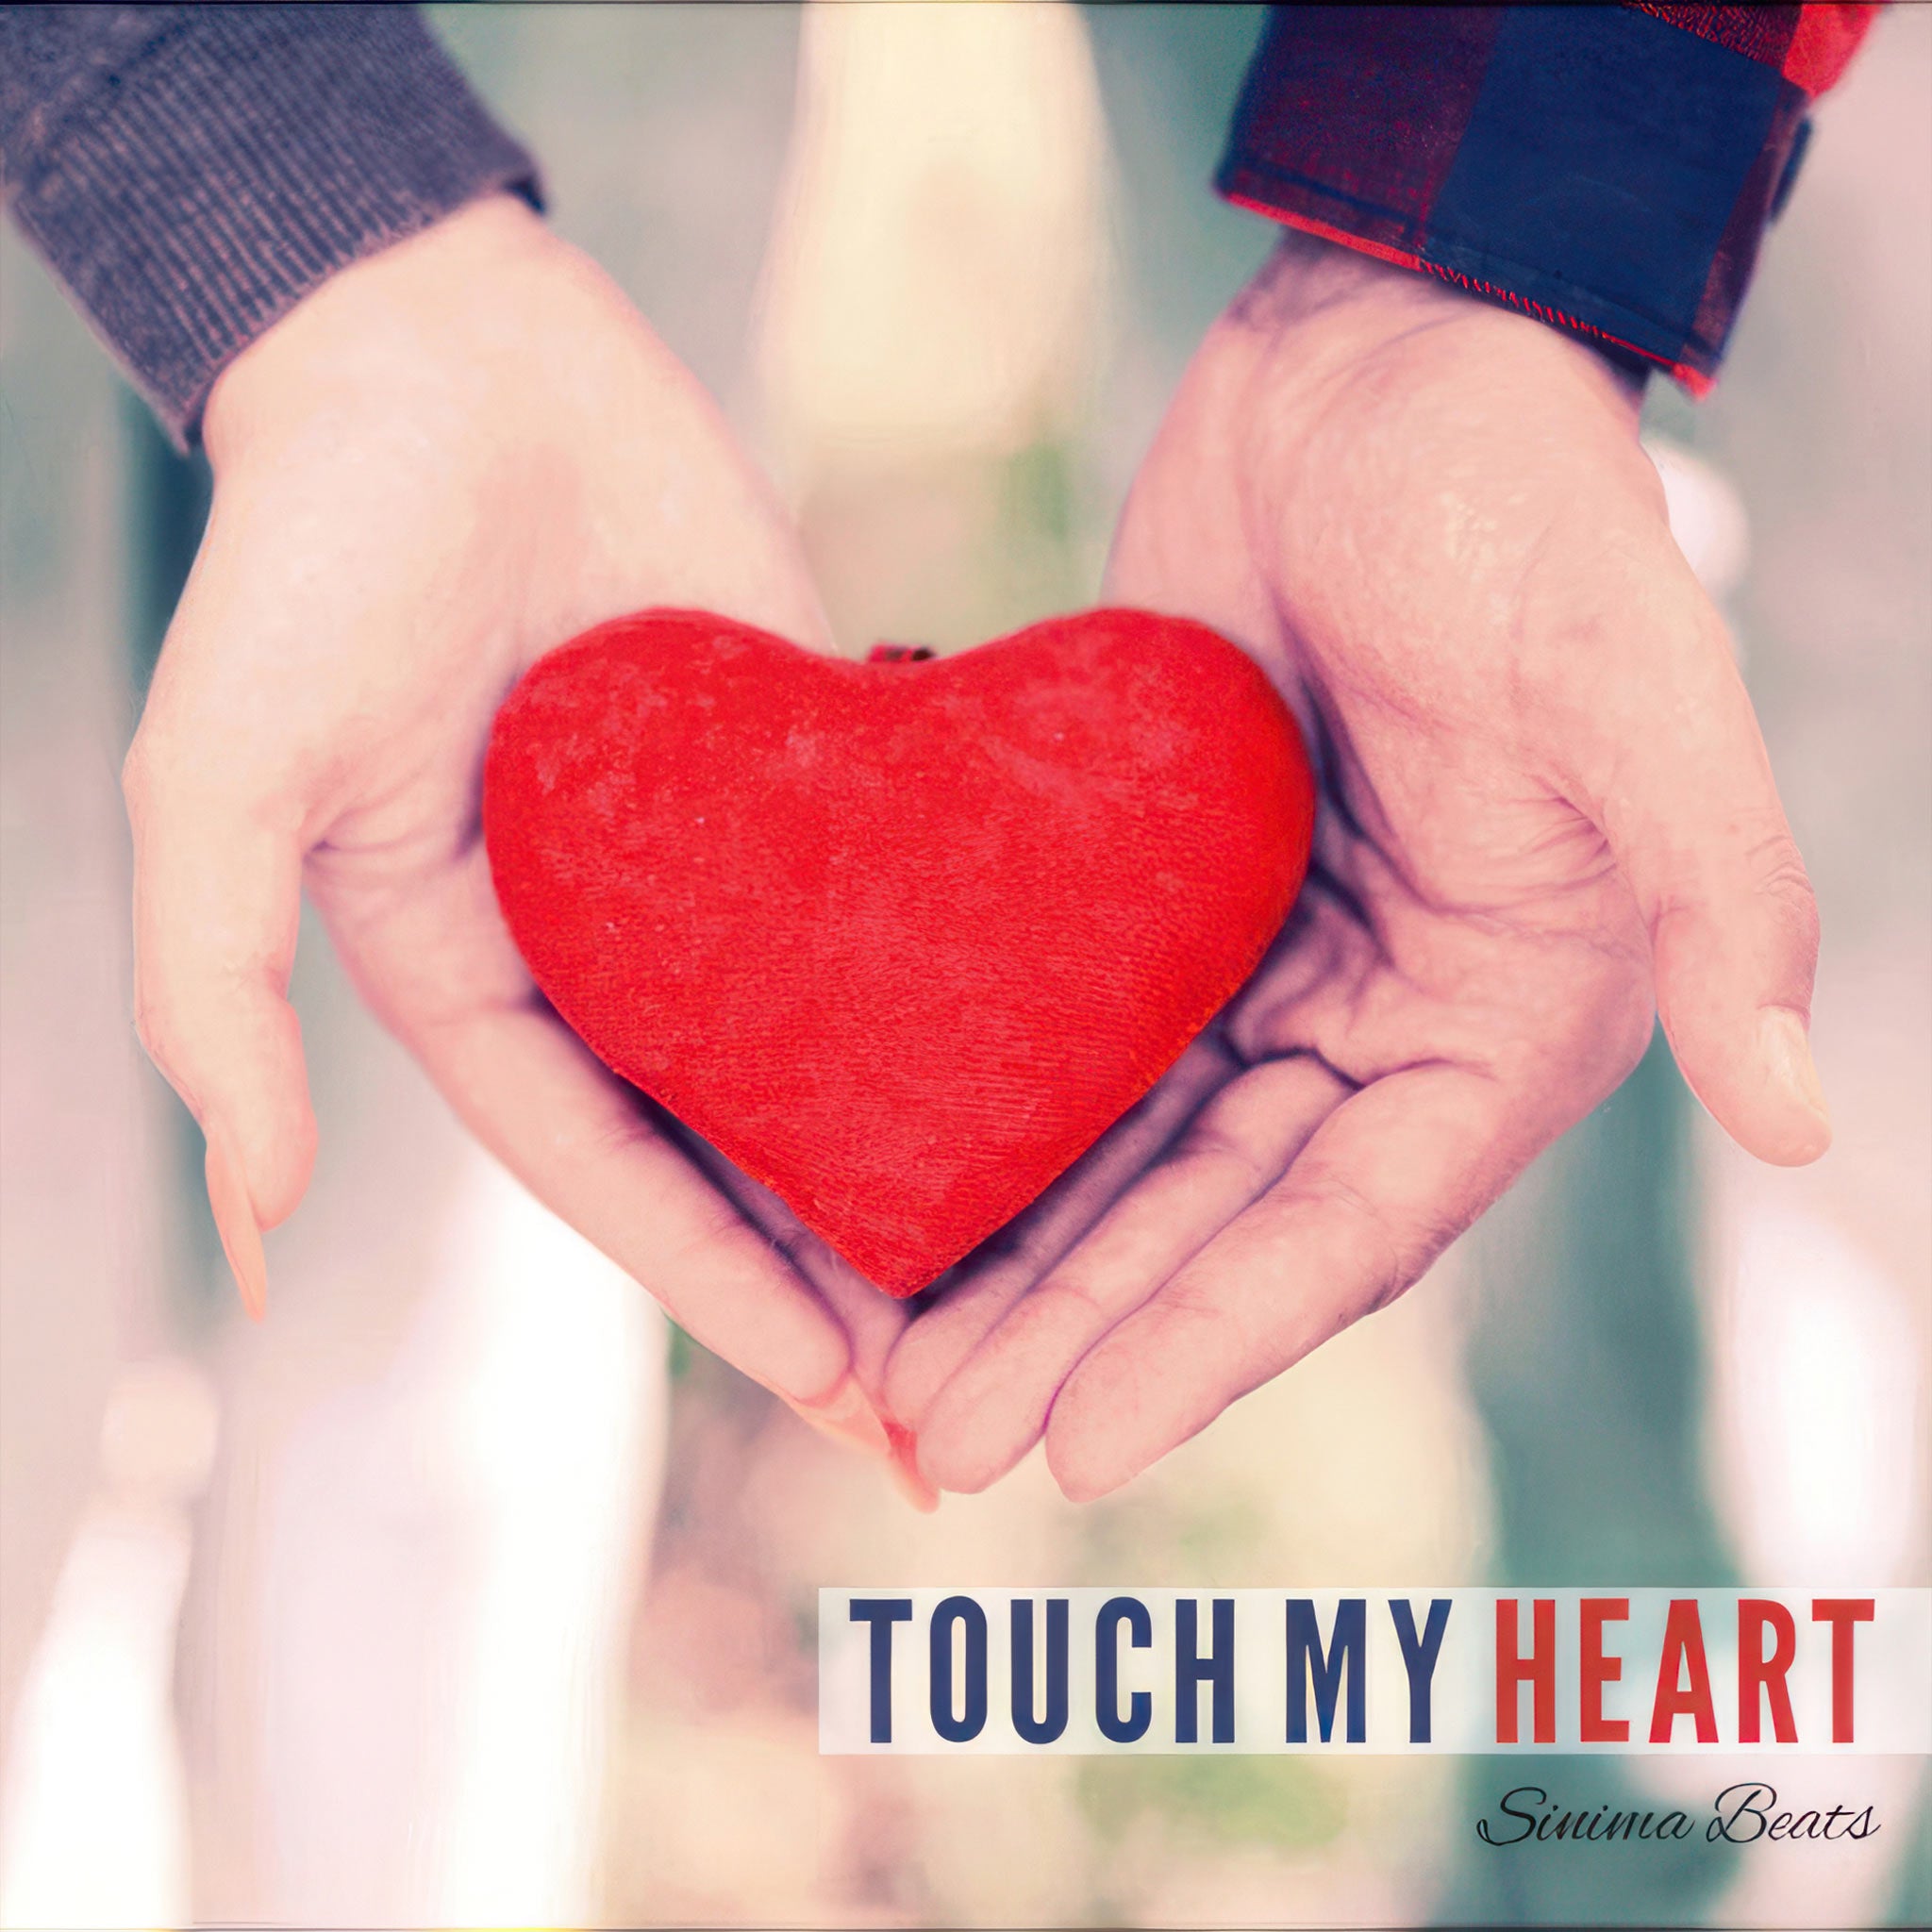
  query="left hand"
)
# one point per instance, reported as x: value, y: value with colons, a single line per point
x: 1544, y: 804
x: 446, y: 459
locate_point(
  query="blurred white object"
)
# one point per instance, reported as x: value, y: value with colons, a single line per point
x: 1816, y: 1429
x: 1707, y: 516
x: 431, y: 1572
x: 1818, y: 1402
x: 448, y: 1563
x: 92, y: 1826
x: 94, y: 1821
x: 938, y: 259
x: 563, y: 1426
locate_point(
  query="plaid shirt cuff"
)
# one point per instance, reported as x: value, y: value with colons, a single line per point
x: 1608, y: 169
x: 191, y: 173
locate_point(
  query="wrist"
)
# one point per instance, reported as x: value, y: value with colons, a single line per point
x: 1306, y: 274
x: 192, y: 174
x: 396, y: 322
x: 1374, y: 302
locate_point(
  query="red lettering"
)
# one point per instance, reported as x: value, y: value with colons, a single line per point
x: 1842, y: 1613
x: 1683, y: 1645
x: 1759, y: 1676
x: 1539, y: 1667
x: 1597, y: 1670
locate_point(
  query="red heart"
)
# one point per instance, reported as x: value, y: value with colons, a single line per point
x: 902, y: 939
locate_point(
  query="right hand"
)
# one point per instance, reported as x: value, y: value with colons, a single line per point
x: 1547, y: 810
x: 446, y: 459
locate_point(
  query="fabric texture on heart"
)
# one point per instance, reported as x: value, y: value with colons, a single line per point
x: 901, y: 939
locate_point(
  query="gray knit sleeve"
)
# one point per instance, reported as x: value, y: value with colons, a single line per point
x: 191, y: 173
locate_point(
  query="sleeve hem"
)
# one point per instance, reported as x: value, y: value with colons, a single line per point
x: 1488, y: 278
x: 194, y: 196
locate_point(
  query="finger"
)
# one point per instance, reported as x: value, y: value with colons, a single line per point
x: 873, y: 1320
x: 1684, y: 793
x: 722, y: 1278
x: 1386, y: 1181
x: 534, y: 1094
x: 438, y: 966
x: 857, y: 1416
x: 217, y: 903
x: 998, y: 1273
x: 724, y: 541
x: 854, y: 1415
x: 993, y: 1409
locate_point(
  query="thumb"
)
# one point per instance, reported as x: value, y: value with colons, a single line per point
x: 1684, y: 793
x: 217, y: 901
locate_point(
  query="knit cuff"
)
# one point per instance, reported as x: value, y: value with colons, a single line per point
x: 191, y: 173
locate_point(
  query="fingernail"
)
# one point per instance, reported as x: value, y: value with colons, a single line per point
x: 1789, y: 1053
x: 904, y: 1469
x: 234, y: 1212
x: 847, y: 1417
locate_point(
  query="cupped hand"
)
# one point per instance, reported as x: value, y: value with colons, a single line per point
x: 448, y: 458
x: 1546, y: 809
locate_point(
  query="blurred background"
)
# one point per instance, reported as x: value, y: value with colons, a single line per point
x: 463, y: 1589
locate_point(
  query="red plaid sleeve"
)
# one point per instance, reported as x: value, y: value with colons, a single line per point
x: 1608, y: 169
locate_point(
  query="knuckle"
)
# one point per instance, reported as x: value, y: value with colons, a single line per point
x: 157, y: 1029
x: 1778, y: 872
x: 137, y: 774
x: 795, y: 1245
x: 1190, y: 1305
x: 1626, y: 1037
x: 1067, y: 1289
x: 721, y: 1239
x: 1210, y: 1145
x: 155, y: 771
x: 615, y: 1135
x: 154, y: 735
x: 1594, y: 1049
x: 1106, y: 1386
x: 1359, y: 1231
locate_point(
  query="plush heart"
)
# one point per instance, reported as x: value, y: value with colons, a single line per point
x: 901, y: 939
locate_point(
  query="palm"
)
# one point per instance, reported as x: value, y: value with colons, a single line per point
x: 1461, y: 912
x: 1432, y: 523
x: 403, y: 878
x: 415, y: 497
